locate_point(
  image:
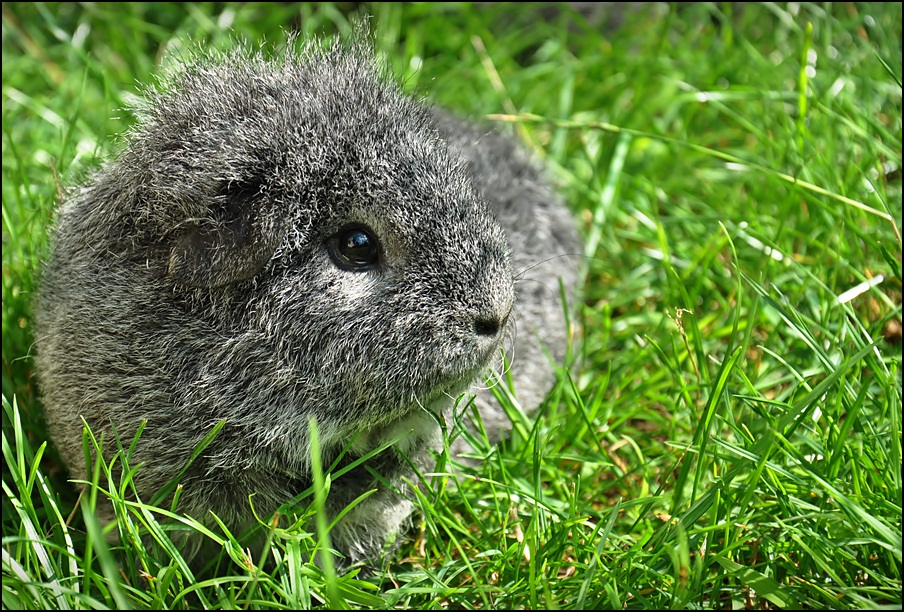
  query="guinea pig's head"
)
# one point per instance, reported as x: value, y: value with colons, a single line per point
x: 309, y: 215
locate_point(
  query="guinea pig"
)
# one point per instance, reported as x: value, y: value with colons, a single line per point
x: 291, y: 239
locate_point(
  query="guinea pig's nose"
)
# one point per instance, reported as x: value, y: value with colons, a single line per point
x: 489, y: 325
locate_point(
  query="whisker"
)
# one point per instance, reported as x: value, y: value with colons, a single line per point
x: 520, y: 274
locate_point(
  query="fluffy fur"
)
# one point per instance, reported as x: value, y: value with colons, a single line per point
x: 191, y: 281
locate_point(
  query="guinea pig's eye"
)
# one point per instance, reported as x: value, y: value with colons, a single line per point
x: 354, y: 248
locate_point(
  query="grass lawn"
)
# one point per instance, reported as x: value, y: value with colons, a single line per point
x: 732, y: 437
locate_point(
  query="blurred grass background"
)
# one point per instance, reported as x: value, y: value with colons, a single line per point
x: 733, y: 436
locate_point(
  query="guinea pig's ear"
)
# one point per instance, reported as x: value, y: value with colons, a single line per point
x: 233, y: 244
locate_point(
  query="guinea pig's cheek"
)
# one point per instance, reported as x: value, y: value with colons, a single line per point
x: 352, y: 287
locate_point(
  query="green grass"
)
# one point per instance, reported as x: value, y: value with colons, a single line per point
x: 733, y: 435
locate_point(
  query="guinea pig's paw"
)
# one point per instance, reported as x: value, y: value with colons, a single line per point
x: 372, y: 528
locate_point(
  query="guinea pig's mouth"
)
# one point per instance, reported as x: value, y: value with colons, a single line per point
x: 408, y: 437
x: 410, y: 430
x: 409, y: 434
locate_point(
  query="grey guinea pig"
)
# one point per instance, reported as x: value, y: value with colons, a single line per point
x: 287, y: 239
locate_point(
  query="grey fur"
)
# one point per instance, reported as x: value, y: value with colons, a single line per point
x: 190, y: 282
